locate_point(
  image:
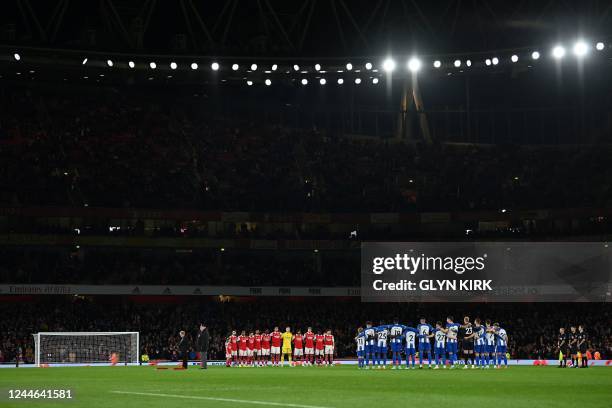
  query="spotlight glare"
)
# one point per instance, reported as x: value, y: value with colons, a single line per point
x: 322, y: 81
x: 194, y: 65
x: 340, y: 81
x: 304, y: 81
x: 214, y: 66
x: 514, y: 58
x: 84, y: 61
x: 599, y: 46
x: 108, y: 62
x: 173, y: 65
x: 488, y: 62
x: 558, y: 52
x: 153, y: 65
x: 437, y: 64
x: 274, y: 67
x: 389, y: 65
x: 495, y: 60
x: 253, y: 67
x: 17, y: 56
x: 581, y: 49
x: 317, y: 67
x: 235, y: 67
x: 296, y: 67
x: 457, y: 63
x: 349, y: 66
x: 374, y: 81
x: 414, y: 64
x: 368, y: 66
x: 357, y: 81
x: 535, y: 55
x: 268, y: 82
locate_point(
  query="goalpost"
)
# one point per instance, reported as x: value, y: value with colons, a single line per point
x: 86, y: 347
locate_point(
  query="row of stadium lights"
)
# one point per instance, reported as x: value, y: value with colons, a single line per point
x: 414, y: 64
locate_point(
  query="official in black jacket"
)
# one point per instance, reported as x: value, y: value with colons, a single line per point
x: 202, y: 342
x: 183, y: 348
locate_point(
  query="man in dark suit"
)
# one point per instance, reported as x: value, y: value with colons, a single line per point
x: 202, y: 345
x: 183, y: 347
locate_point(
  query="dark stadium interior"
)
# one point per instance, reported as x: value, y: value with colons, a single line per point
x: 112, y: 176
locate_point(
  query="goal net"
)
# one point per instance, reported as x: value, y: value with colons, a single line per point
x: 86, y: 347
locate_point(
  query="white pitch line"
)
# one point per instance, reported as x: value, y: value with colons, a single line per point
x: 194, y: 397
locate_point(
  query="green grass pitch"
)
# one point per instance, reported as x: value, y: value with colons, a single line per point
x: 304, y: 387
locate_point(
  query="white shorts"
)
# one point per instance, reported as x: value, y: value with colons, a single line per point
x: 234, y: 352
x: 256, y: 352
x: 249, y: 353
x: 318, y: 352
x: 309, y: 351
x: 242, y: 353
x: 275, y: 350
x: 298, y: 352
x: 228, y: 356
x: 329, y: 349
x: 265, y: 352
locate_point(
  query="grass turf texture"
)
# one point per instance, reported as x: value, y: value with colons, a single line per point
x: 341, y: 386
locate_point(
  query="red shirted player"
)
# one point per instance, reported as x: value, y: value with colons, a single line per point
x: 276, y: 346
x: 228, y: 352
x: 242, y: 348
x: 234, y: 347
x: 250, y: 348
x: 298, y: 347
x: 265, y: 348
x: 319, y: 347
x: 309, y: 339
x: 257, y: 349
x: 328, y: 341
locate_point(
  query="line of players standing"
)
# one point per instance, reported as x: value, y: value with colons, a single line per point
x: 573, y: 344
x: 263, y: 349
x: 483, y: 345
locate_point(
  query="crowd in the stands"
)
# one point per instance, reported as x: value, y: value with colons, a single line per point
x: 120, y: 150
x: 532, y: 328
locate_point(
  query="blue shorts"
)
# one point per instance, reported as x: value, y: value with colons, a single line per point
x: 424, y: 346
x: 360, y: 353
x: 396, y: 347
x: 381, y: 350
x: 490, y: 348
x: 370, y: 349
x: 501, y: 349
x: 440, y: 351
x: 479, y: 348
x: 410, y: 351
x: 451, y: 347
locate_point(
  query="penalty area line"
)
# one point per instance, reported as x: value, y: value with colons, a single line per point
x: 238, y: 401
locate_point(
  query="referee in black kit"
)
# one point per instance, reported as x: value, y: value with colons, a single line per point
x: 202, y: 342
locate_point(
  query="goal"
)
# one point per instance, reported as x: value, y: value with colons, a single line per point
x: 86, y: 348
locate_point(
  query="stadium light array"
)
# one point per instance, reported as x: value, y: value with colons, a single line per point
x: 468, y: 63
x: 317, y: 67
x: 304, y: 81
x: 535, y: 55
x: 414, y: 64
x: 268, y: 82
x: 437, y: 64
x: 349, y: 66
x: 340, y: 81
x: 296, y: 67
x: 322, y: 81
x: 600, y: 46
x: 194, y: 65
x: 249, y: 83
x: 488, y: 62
x: 368, y: 66
x: 131, y: 64
x: 214, y: 66
x: 495, y: 60
x: 84, y: 61
x: 274, y: 67
x: 152, y: 65
x: 558, y: 52
x: 235, y: 67
x: 581, y: 49
x: 173, y: 65
x: 253, y: 67
x: 389, y: 65
x: 374, y: 81
x: 357, y: 81
x: 108, y: 62
x: 514, y: 58
x: 17, y: 56
x: 457, y: 63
